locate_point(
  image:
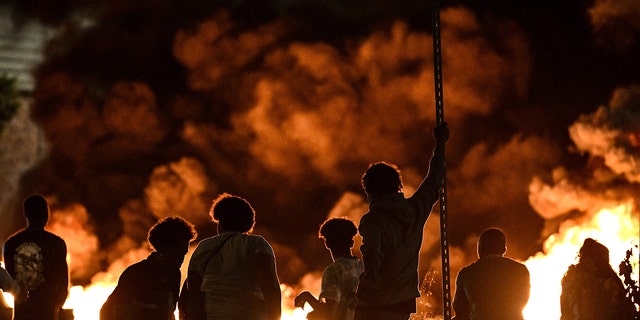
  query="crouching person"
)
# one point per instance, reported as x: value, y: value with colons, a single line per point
x: 149, y: 289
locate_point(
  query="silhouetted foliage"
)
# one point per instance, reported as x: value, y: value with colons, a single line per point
x: 631, y: 286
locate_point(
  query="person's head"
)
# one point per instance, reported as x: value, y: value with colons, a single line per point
x: 382, y: 178
x: 233, y: 213
x: 338, y: 233
x: 492, y: 242
x: 170, y: 238
x: 36, y: 211
x: 595, y: 252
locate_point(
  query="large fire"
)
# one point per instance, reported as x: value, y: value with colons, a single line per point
x: 87, y: 301
x: 300, y: 101
x: 617, y: 228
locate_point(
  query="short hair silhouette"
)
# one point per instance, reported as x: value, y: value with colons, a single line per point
x: 338, y: 232
x: 169, y: 231
x: 233, y: 213
x: 36, y: 207
x: 382, y: 178
x: 491, y: 241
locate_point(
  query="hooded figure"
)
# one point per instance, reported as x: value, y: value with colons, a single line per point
x: 591, y: 290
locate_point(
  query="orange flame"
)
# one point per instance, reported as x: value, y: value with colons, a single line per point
x: 616, y: 228
x: 86, y: 302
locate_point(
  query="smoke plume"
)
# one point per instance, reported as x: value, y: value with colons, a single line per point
x: 152, y: 109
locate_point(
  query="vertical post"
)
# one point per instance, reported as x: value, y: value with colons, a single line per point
x: 437, y: 63
x: 439, y: 101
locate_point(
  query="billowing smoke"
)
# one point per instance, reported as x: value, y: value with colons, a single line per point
x: 22, y: 145
x: 609, y: 136
x: 612, y: 133
x: 152, y: 110
x: 615, y: 23
x: 598, y: 200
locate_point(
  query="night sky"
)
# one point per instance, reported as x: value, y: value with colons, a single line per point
x: 152, y: 108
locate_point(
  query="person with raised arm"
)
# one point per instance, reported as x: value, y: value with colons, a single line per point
x: 392, y: 236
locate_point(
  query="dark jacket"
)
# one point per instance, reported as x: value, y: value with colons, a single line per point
x: 492, y: 288
x: 147, y: 290
x: 392, y: 236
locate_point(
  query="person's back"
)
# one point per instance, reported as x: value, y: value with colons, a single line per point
x: 399, y: 226
x: 339, y: 283
x: 149, y: 289
x: 146, y: 290
x: 232, y: 275
x: 229, y: 277
x: 340, y: 278
x: 36, y: 259
x: 493, y: 287
x: 591, y: 290
x: 392, y: 236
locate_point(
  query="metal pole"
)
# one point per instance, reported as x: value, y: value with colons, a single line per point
x: 439, y: 100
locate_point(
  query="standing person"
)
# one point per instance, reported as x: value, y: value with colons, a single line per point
x: 37, y: 260
x: 232, y: 275
x: 392, y: 235
x: 339, y: 279
x: 592, y: 290
x: 494, y: 287
x: 149, y: 289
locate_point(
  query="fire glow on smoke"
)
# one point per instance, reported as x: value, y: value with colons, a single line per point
x: 300, y: 112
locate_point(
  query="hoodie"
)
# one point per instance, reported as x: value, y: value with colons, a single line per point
x: 392, y: 235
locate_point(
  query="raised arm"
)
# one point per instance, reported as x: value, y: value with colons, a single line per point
x: 427, y: 193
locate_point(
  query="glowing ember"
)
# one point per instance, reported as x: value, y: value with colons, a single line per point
x: 615, y: 228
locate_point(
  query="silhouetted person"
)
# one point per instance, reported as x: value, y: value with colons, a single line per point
x: 36, y: 259
x: 591, y: 290
x: 392, y: 236
x: 339, y: 279
x: 149, y: 289
x: 232, y: 275
x: 494, y: 287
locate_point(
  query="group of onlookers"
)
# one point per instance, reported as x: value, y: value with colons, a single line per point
x: 233, y: 276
